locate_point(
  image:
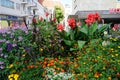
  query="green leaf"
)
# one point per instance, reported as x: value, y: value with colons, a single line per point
x: 94, y: 40
x: 93, y: 28
x: 73, y: 49
x: 103, y: 28
x: 84, y: 30
x: 68, y: 42
x: 81, y: 44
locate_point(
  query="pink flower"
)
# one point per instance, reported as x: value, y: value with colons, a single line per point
x: 46, y: 13
x: 41, y: 19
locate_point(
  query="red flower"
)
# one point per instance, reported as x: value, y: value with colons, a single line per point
x: 97, y: 16
x: 34, y: 20
x: 41, y: 19
x: 46, y: 13
x: 60, y: 27
x: 54, y: 19
x: 91, y: 18
x: 71, y: 23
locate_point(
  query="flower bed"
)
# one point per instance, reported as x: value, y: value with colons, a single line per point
x: 47, y: 52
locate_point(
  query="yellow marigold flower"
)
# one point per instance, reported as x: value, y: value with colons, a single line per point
x: 62, y: 48
x: 11, y: 65
x: 98, y: 57
x: 11, y: 75
x: 16, y: 76
x: 113, y: 56
x: 118, y: 46
x: 104, y: 68
x: 23, y: 55
x: 116, y: 55
x: 109, y: 78
x: 111, y: 49
x: 41, y: 49
x: 84, y: 63
x: 103, y: 48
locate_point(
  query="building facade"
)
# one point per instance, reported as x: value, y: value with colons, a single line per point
x: 68, y: 11
x: 14, y: 12
x: 108, y: 9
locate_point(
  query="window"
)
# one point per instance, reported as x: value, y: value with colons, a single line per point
x: 7, y: 3
x: 17, y: 6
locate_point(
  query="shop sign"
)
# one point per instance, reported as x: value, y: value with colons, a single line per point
x: 114, y: 11
x: 12, y: 18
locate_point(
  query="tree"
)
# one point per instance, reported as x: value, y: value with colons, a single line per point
x: 59, y: 14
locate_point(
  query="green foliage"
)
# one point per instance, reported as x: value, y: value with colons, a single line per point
x: 59, y: 13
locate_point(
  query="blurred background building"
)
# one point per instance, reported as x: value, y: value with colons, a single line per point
x: 108, y: 9
x: 17, y: 11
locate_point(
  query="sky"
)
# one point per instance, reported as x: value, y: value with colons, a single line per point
x: 66, y: 1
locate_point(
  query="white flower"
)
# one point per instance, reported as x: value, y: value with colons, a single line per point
x: 104, y: 43
x: 105, y: 32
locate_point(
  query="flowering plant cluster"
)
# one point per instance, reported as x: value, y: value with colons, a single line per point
x: 78, y: 35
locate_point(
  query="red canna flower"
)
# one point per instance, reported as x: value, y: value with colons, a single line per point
x: 91, y: 18
x: 97, y: 16
x: 60, y: 27
x: 46, y: 13
x: 71, y: 23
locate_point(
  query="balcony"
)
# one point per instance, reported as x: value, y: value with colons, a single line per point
x: 34, y: 8
x: 24, y: 2
x: 31, y: 5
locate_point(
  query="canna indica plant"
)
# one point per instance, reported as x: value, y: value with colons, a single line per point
x: 77, y: 36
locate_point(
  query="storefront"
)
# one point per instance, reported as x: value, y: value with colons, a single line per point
x: 12, y: 21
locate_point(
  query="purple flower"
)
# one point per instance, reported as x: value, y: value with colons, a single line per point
x: 20, y: 38
x: 2, y: 40
x: 2, y: 67
x: 1, y: 62
x: 14, y: 45
x: 118, y: 36
x: 1, y: 49
x: 9, y: 47
x: 8, y: 41
x: 27, y: 50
